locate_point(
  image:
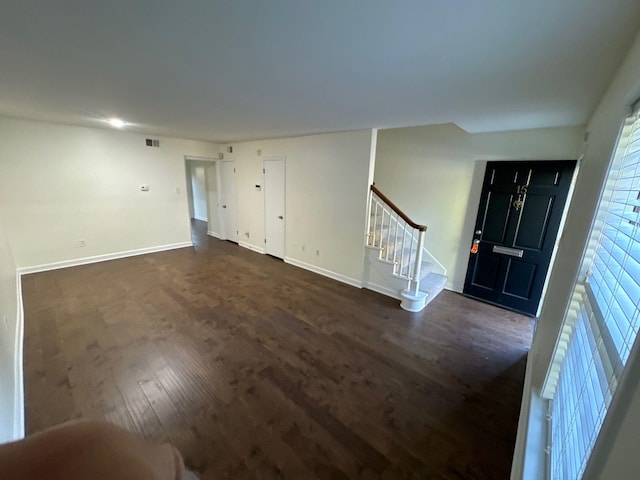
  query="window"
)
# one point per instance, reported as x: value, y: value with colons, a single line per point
x: 603, y: 318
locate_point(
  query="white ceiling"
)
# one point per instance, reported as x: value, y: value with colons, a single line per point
x: 247, y: 69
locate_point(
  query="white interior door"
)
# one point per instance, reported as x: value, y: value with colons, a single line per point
x: 274, y: 206
x: 229, y: 200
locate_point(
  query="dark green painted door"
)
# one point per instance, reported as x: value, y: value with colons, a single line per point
x: 518, y: 219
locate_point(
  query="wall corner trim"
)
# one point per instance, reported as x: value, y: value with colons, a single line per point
x: 18, y: 401
x: 321, y: 271
x: 529, y: 459
x: 101, y: 258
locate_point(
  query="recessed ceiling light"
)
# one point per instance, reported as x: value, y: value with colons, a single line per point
x: 116, y: 122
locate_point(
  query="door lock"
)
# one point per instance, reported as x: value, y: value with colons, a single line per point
x: 475, y: 246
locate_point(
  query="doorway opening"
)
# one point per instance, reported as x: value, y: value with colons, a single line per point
x: 202, y: 188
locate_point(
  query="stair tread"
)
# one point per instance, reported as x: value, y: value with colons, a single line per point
x: 433, y: 283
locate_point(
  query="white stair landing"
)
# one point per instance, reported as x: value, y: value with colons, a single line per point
x: 380, y: 277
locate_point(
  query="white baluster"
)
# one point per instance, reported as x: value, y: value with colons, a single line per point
x: 368, y: 240
x: 375, y: 224
x: 395, y: 242
x: 386, y: 247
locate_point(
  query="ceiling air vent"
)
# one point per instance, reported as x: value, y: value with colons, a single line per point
x: 152, y: 143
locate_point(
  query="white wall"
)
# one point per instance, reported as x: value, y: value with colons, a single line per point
x: 434, y: 173
x: 60, y: 184
x: 9, y: 316
x: 603, y: 129
x: 326, y: 198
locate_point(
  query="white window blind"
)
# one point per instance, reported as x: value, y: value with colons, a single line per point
x: 603, y: 318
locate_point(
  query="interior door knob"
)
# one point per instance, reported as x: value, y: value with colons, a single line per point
x: 224, y: 206
x: 280, y: 217
x: 478, y: 232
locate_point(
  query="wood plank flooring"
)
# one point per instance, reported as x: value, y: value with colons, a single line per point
x: 258, y: 369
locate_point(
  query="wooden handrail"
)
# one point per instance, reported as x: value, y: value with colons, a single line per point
x: 396, y: 209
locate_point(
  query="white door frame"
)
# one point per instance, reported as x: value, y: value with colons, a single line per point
x: 264, y: 200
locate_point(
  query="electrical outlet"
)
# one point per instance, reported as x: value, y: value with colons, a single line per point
x: 82, y: 243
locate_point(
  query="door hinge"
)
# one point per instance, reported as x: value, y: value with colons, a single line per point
x: 265, y: 240
x: 263, y: 171
x: 234, y: 170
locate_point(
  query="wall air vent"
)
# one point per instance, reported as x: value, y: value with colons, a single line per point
x: 152, y: 143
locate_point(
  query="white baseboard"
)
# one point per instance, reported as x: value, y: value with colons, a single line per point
x: 18, y: 405
x: 214, y: 234
x: 327, y: 273
x: 252, y: 247
x: 389, y: 292
x: 101, y: 258
x: 19, y: 415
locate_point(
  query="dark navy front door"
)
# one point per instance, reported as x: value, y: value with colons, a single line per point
x: 520, y: 210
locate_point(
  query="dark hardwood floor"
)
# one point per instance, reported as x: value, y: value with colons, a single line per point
x: 258, y: 369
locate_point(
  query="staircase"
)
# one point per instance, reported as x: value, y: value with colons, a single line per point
x: 396, y: 262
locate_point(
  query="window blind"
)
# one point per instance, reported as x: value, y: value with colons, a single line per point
x: 602, y: 321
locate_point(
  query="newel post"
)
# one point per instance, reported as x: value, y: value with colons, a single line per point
x: 418, y: 264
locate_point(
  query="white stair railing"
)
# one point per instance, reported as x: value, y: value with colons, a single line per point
x: 400, y: 239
